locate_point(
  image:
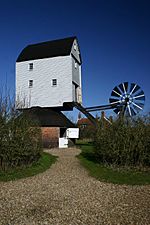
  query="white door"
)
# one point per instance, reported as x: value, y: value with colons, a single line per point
x: 63, y: 142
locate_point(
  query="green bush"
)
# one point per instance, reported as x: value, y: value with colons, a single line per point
x: 20, y: 138
x: 87, y: 132
x: 124, y: 143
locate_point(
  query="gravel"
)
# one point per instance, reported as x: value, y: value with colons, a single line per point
x: 66, y: 195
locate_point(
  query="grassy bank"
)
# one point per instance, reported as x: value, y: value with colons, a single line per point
x: 109, y: 174
x: 42, y: 165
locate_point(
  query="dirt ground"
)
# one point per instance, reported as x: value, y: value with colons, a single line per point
x: 66, y: 195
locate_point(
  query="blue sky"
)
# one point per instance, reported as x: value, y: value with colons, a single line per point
x: 114, y: 38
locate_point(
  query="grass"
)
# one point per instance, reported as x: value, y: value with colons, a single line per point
x: 109, y: 174
x: 42, y: 165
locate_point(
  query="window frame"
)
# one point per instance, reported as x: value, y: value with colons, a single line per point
x: 30, y: 83
x: 30, y: 66
x: 54, y: 82
x: 75, y: 64
x: 75, y: 46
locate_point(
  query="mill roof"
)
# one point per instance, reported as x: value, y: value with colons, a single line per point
x: 49, y: 117
x: 60, y: 47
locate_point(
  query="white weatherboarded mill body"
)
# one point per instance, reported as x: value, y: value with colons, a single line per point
x: 48, y: 80
x: 48, y: 74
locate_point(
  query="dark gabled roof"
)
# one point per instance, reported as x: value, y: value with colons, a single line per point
x: 61, y: 47
x: 48, y: 117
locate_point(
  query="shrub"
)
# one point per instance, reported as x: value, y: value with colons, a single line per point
x: 87, y: 132
x: 124, y: 143
x: 20, y: 138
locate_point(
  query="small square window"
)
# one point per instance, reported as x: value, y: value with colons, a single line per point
x: 54, y: 82
x: 30, y: 66
x: 75, y: 46
x: 75, y: 64
x: 30, y: 83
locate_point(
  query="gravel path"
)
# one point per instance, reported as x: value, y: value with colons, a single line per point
x: 66, y: 195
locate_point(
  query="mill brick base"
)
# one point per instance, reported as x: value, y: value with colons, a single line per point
x: 50, y: 136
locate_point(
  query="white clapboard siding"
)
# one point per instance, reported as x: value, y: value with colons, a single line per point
x: 66, y: 69
x: 42, y: 93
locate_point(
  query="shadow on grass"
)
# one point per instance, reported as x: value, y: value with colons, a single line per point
x: 80, y: 143
x: 87, y: 151
x: 89, y: 156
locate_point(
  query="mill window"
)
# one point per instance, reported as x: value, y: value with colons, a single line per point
x: 75, y: 64
x: 54, y: 82
x: 75, y: 46
x: 30, y: 66
x: 30, y: 83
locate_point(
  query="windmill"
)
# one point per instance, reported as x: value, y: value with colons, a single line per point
x: 130, y: 96
x: 126, y: 99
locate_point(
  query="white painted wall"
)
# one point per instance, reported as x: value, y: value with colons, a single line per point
x: 75, y: 71
x: 76, y: 51
x: 72, y: 133
x: 42, y: 93
x: 63, y: 142
x: 76, y: 78
x: 44, y: 70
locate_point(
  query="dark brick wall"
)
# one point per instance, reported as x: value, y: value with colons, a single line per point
x: 50, y: 136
